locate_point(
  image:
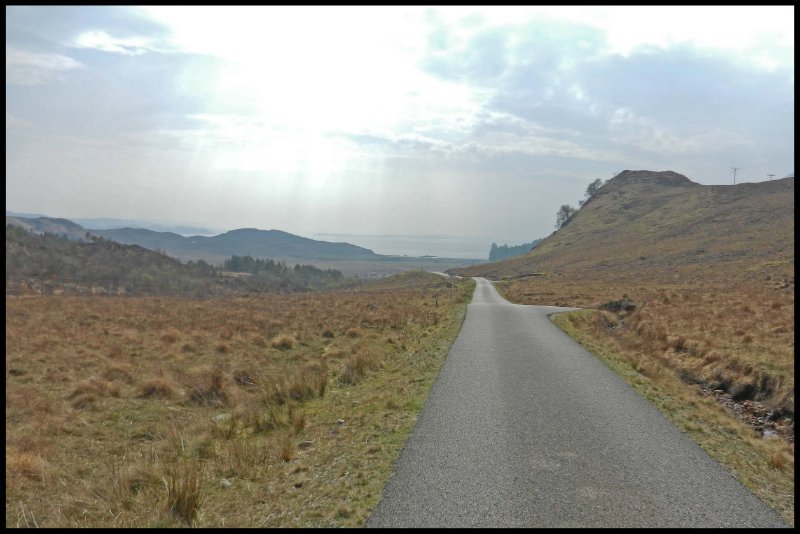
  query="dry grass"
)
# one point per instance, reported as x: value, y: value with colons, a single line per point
x: 123, y: 412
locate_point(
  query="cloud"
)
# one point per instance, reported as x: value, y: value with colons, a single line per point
x: 13, y: 122
x: 646, y: 134
x: 115, y: 94
x: 559, y: 88
x: 100, y: 40
x: 24, y: 67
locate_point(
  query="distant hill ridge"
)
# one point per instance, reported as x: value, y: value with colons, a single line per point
x: 243, y: 241
x: 50, y: 225
x: 667, y: 225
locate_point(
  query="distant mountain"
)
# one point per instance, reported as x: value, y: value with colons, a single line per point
x: 660, y: 226
x: 242, y: 242
x: 48, y: 225
x: 181, y: 229
x: 105, y: 224
x: 26, y: 215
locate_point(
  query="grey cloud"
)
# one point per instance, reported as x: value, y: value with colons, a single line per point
x: 30, y: 68
x: 97, y: 94
x: 113, y: 94
x: 56, y: 25
x: 684, y: 87
x: 481, y: 61
x: 531, y: 70
x: 680, y: 100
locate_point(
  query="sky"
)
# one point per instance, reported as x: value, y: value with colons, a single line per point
x: 468, y: 122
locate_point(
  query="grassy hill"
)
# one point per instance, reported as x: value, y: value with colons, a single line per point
x: 661, y: 226
x: 47, y: 263
x: 243, y: 241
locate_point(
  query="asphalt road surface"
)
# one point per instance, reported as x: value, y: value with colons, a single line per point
x: 525, y: 428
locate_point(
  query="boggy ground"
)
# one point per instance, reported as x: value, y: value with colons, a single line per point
x: 275, y: 410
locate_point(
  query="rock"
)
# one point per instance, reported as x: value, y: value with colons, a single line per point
x: 221, y: 417
x: 770, y: 434
x: 307, y: 444
x: 340, y: 421
x: 225, y: 483
x: 737, y: 408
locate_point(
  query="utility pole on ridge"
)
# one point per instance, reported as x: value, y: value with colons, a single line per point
x: 734, y: 174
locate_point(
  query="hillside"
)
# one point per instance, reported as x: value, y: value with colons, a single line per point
x: 244, y: 241
x: 662, y: 227
x: 48, y: 263
x: 49, y: 225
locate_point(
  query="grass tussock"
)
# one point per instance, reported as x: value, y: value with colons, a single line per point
x: 282, y: 342
x: 158, y: 388
x: 25, y: 464
x: 183, y: 492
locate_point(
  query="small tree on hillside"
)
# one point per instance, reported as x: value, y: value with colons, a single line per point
x: 593, y: 187
x: 563, y: 214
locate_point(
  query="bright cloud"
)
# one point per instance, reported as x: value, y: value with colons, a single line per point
x: 100, y: 40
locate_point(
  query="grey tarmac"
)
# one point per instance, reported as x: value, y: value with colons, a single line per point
x: 525, y: 428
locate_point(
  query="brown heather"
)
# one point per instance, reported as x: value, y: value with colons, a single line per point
x: 124, y: 412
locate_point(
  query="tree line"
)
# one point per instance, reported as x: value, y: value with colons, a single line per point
x: 269, y: 272
x: 502, y: 252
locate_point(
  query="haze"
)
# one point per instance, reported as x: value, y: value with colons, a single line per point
x: 467, y: 122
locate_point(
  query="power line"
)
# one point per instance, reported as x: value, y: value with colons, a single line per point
x: 770, y: 176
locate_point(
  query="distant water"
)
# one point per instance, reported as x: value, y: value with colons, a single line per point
x: 416, y: 245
